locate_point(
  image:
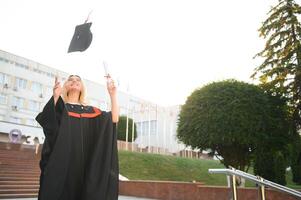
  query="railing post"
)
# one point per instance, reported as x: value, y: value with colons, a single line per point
x: 261, y: 190
x: 233, y: 187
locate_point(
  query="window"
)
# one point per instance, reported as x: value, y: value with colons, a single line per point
x: 21, y: 65
x: 31, y: 122
x: 15, y: 120
x: 104, y: 106
x: 33, y: 105
x: 145, y: 126
x: 49, y: 91
x: 94, y: 102
x: 36, y: 87
x: 18, y: 101
x: 21, y: 83
x: 24, y: 66
x: 3, y: 78
x: 3, y: 99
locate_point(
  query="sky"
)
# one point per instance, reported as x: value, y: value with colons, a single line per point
x: 160, y: 50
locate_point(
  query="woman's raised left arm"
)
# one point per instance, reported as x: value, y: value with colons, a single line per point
x: 113, y: 96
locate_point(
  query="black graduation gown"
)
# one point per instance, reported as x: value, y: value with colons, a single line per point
x: 79, y: 158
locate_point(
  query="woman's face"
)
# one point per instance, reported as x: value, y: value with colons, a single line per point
x: 73, y: 83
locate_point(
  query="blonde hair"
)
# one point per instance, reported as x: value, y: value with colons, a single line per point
x: 82, y: 96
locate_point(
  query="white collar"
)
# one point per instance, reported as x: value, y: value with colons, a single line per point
x: 73, y: 103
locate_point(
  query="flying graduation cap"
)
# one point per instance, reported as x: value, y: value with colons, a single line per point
x: 82, y: 37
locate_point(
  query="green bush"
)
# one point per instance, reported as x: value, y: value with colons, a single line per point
x: 121, y: 129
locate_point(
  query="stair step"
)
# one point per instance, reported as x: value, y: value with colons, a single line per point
x: 14, y: 196
x: 19, y: 186
x: 17, y: 166
x: 19, y: 182
x: 20, y: 175
x: 19, y: 178
x: 28, y: 168
x: 18, y: 161
x: 18, y: 169
x: 11, y: 171
x: 18, y: 191
x: 31, y: 155
x: 21, y: 159
x: 16, y: 152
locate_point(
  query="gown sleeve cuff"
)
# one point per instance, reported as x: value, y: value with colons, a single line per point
x: 43, y: 116
x: 59, y: 106
x: 48, y: 117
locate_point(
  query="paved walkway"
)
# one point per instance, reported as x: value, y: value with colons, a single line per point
x: 119, y: 198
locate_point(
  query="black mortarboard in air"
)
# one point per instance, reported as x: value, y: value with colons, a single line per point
x: 82, y: 38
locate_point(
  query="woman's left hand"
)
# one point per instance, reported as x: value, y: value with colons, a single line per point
x: 112, y: 89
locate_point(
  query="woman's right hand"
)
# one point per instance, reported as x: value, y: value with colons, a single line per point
x: 57, y: 90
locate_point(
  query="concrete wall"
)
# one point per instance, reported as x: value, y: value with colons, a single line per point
x: 191, y: 191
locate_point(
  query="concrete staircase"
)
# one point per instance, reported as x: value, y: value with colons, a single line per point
x: 19, y: 171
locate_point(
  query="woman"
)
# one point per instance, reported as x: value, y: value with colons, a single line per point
x: 79, y: 157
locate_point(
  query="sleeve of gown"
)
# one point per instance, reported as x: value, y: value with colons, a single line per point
x: 110, y: 114
x: 50, y: 117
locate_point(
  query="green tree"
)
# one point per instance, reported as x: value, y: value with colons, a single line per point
x: 270, y: 165
x: 229, y: 118
x: 121, y: 129
x: 296, y: 161
x: 272, y: 149
x: 280, y: 71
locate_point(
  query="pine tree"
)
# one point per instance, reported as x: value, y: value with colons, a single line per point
x: 280, y: 72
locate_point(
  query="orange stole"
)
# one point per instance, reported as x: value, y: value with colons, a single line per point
x: 86, y: 115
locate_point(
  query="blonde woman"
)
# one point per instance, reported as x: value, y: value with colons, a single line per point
x: 79, y: 156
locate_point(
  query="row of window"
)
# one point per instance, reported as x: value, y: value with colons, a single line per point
x: 5, y: 60
x: 19, y: 102
x: 17, y: 120
x: 21, y: 83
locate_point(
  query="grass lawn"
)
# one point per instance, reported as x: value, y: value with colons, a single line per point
x: 144, y: 166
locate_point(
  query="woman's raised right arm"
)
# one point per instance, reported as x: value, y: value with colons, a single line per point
x: 50, y: 117
x: 57, y: 90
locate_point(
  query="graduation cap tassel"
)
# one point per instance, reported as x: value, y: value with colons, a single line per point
x: 88, y: 16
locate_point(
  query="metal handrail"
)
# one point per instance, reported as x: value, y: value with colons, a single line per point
x: 259, y: 180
